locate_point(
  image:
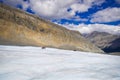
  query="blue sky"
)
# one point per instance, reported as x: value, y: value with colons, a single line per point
x: 94, y: 9
x: 72, y: 12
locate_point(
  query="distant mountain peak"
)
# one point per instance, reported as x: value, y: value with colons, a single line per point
x: 106, y: 41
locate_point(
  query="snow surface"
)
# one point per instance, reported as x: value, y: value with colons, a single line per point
x: 34, y: 63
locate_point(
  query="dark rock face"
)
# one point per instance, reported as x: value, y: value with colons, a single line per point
x: 20, y: 28
x: 114, y: 47
x: 107, y: 42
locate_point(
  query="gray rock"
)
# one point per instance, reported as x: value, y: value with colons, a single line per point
x: 106, y: 41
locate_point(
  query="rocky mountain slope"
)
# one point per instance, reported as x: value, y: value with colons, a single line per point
x: 106, y: 41
x: 20, y: 28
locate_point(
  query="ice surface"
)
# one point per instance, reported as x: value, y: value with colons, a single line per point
x: 34, y: 63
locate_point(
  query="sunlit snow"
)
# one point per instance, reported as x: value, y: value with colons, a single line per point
x: 34, y: 63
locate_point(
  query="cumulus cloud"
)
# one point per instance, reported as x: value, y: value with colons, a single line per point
x: 59, y: 8
x: 14, y: 3
x: 56, y: 9
x: 84, y: 5
x: 106, y: 15
x: 117, y: 1
x: 85, y: 29
x: 52, y: 8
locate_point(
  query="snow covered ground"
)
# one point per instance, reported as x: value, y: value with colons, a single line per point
x: 34, y: 63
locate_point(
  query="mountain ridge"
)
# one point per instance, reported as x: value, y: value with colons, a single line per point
x: 106, y: 41
x: 20, y: 28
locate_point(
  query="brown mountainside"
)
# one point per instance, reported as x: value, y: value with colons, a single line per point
x: 106, y: 41
x: 20, y: 28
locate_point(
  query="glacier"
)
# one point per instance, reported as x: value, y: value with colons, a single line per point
x: 35, y: 63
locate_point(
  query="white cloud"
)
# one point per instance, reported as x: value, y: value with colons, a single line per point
x: 80, y: 7
x: 14, y: 3
x: 52, y: 8
x: 83, y: 28
x: 56, y: 9
x: 106, y: 15
x: 78, y: 18
x: 117, y: 1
